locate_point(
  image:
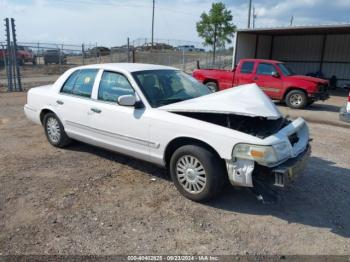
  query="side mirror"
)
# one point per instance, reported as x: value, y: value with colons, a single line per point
x: 127, y: 100
x: 275, y: 74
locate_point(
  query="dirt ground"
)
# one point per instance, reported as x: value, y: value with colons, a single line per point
x: 85, y: 200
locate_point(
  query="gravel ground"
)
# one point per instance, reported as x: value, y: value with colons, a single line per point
x: 84, y: 200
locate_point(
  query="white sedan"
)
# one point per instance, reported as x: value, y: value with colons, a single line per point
x: 162, y: 115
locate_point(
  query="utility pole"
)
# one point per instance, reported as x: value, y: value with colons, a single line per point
x: 152, y: 24
x: 249, y: 12
x: 255, y: 15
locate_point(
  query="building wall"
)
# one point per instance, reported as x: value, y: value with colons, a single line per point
x: 303, y: 53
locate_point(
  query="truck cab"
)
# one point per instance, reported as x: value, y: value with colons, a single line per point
x: 273, y: 77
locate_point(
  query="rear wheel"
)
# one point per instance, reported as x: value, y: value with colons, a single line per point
x: 54, y: 131
x: 296, y: 99
x: 197, y: 173
x: 212, y: 86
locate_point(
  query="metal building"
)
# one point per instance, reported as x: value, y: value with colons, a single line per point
x: 305, y: 49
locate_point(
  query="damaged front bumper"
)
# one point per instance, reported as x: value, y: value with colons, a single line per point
x: 285, y: 173
x: 245, y: 172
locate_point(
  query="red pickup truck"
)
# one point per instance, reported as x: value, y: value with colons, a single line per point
x: 273, y: 77
x: 23, y: 55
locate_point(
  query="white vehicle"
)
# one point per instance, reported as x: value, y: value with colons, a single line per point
x: 162, y: 115
x: 344, y: 114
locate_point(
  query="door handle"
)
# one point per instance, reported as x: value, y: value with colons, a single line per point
x: 59, y: 102
x: 95, y: 110
x: 255, y: 78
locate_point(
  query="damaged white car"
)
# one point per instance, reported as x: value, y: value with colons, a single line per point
x: 162, y: 115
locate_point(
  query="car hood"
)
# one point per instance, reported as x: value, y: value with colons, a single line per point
x: 247, y: 100
x: 310, y: 79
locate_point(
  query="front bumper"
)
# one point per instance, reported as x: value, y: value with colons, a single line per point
x: 344, y: 115
x: 286, y: 173
x: 319, y: 96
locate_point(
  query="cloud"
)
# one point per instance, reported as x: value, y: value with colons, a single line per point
x: 110, y: 22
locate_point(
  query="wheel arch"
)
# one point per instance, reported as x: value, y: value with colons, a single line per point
x: 45, y: 111
x: 294, y: 88
x: 207, y: 80
x: 174, y: 144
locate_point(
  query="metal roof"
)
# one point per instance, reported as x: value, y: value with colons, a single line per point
x: 293, y: 30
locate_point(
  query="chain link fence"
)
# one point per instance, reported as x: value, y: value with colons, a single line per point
x: 42, y: 63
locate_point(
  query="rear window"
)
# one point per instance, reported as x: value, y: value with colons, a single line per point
x: 247, y: 67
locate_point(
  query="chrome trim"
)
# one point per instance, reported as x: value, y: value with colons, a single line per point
x: 114, y: 135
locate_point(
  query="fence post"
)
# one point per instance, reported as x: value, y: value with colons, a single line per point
x: 60, y: 57
x: 183, y: 59
x: 37, y: 53
x: 9, y: 57
x: 128, y: 50
x: 96, y: 54
x: 83, y: 54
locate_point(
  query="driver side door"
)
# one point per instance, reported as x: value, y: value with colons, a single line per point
x: 120, y: 128
x: 265, y: 79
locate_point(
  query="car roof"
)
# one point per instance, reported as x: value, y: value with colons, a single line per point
x: 129, y: 67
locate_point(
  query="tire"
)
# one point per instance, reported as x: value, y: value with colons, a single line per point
x: 54, y: 131
x: 310, y: 102
x: 212, y: 86
x: 202, y: 180
x: 296, y: 99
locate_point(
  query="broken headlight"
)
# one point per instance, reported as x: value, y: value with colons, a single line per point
x: 261, y: 154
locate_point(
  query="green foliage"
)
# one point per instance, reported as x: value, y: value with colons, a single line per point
x: 216, y: 27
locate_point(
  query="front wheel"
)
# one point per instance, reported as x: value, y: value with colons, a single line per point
x: 197, y: 173
x: 54, y: 131
x: 296, y: 99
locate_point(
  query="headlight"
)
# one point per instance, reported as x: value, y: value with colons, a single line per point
x: 261, y: 154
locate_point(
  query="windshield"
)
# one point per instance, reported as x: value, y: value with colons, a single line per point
x: 285, y: 69
x: 163, y: 87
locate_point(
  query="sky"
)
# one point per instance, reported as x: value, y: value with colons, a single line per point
x: 110, y: 22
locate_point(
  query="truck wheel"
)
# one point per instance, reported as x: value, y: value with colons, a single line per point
x: 54, y: 131
x: 296, y: 99
x: 197, y: 173
x: 212, y: 86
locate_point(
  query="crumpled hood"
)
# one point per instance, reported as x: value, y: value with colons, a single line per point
x: 247, y: 100
x: 310, y: 79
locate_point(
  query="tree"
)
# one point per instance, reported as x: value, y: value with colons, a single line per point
x: 216, y: 28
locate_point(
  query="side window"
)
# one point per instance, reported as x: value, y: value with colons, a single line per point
x: 84, y: 82
x: 265, y: 69
x: 69, y: 84
x: 112, y: 86
x: 247, y: 67
x: 80, y: 82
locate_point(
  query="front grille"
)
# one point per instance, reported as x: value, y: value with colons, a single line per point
x: 293, y: 138
x: 323, y: 88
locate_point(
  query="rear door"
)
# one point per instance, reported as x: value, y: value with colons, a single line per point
x: 244, y: 73
x: 74, y: 102
x: 268, y: 79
